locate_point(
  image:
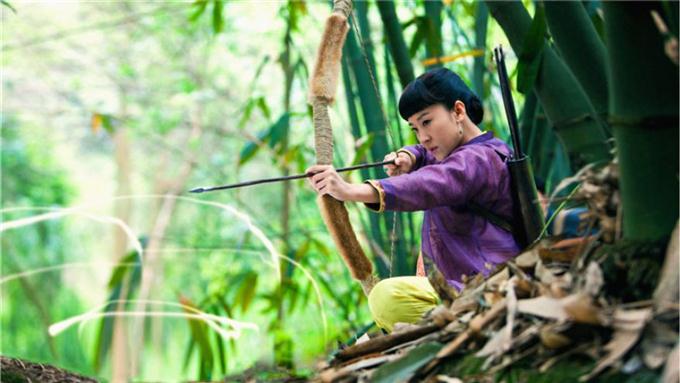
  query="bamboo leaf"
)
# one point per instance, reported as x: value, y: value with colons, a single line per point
x: 262, y: 105
x: 278, y: 130
x: 199, y: 334
x: 187, y: 354
x: 247, y: 291
x: 532, y: 52
x: 217, y: 17
x: 200, y: 8
x: 251, y: 147
x: 219, y: 343
x: 8, y: 5
x: 402, y: 369
x: 296, y: 9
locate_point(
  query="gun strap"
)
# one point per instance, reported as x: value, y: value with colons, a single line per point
x: 491, y: 217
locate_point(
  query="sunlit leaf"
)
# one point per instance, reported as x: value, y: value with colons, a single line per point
x: 100, y: 120
x: 532, y: 52
x: 96, y: 122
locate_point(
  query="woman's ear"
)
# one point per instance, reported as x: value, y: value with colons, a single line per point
x: 459, y: 110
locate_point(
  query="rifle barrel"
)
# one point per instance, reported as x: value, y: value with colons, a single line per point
x: 286, y: 178
x: 499, y: 57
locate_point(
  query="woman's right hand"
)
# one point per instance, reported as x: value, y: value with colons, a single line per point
x: 402, y: 163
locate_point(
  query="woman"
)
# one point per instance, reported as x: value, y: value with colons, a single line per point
x: 454, y: 166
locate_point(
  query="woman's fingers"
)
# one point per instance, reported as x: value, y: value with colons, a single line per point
x: 322, y: 175
x: 389, y: 169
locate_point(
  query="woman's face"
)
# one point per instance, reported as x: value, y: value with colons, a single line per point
x: 437, y: 130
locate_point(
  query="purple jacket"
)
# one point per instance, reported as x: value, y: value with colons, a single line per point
x: 458, y: 241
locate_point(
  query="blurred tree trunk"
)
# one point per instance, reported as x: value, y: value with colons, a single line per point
x: 564, y: 102
x: 153, y: 261
x: 643, y: 109
x: 396, y: 42
x: 120, y: 355
x: 283, y: 344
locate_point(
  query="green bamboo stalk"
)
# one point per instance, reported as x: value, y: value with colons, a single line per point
x: 563, y: 100
x: 374, y: 220
x: 434, y: 46
x: 581, y: 49
x: 369, y: 98
x: 407, y: 236
x: 478, y: 68
x: 365, y: 30
x: 376, y: 124
x: 643, y: 108
x: 526, y: 131
x: 396, y: 42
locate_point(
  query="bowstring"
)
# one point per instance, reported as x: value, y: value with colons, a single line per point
x: 362, y: 49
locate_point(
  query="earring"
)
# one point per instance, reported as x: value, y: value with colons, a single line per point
x: 460, y: 129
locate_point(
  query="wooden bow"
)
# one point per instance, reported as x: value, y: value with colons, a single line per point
x: 323, y: 85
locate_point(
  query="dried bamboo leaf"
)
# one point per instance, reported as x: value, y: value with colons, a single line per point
x: 552, y: 338
x: 581, y: 309
x: 447, y: 379
x: 594, y: 279
x: 621, y: 342
x: 631, y: 320
x: 658, y: 341
x: 668, y: 289
x: 628, y: 325
x: 528, y: 259
x: 671, y: 373
x: 544, y: 307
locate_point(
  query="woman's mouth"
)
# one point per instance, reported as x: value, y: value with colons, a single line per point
x: 433, y: 150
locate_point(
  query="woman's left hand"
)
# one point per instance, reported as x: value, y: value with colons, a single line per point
x: 326, y: 180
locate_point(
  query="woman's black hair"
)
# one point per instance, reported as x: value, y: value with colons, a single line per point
x: 439, y: 86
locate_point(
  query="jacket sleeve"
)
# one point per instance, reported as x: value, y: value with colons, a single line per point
x: 419, y: 155
x: 453, y: 182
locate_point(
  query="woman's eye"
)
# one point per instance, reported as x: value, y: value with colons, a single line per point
x: 426, y: 122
